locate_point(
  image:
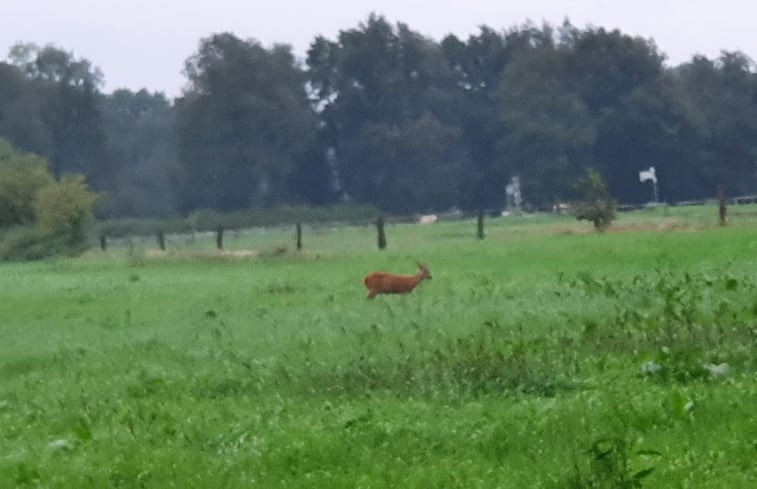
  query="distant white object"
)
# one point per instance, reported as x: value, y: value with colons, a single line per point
x: 650, y: 367
x: 428, y: 219
x: 561, y: 208
x: 513, y: 196
x: 720, y: 370
x: 645, y: 175
x: 61, y: 444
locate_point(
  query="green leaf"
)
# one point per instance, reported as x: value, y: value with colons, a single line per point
x: 642, y: 473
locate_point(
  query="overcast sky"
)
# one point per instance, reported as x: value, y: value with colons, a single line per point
x: 143, y: 43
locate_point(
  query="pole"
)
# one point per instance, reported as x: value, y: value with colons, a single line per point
x: 381, y: 235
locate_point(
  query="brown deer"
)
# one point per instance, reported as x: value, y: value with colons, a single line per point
x: 389, y: 283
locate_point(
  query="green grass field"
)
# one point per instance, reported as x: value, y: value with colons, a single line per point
x: 545, y: 355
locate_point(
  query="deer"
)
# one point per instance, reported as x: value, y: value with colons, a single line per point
x: 389, y: 283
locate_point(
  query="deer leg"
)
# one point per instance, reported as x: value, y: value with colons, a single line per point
x: 371, y: 294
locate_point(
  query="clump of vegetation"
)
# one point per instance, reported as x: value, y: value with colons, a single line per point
x: 40, y: 216
x: 595, y: 203
x: 21, y: 177
x: 610, y: 465
x: 65, y: 208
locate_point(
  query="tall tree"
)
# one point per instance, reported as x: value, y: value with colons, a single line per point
x: 20, y: 112
x: 477, y: 66
x: 549, y: 132
x: 384, y: 96
x: 139, y: 127
x: 67, y: 89
x: 244, y: 123
x: 720, y: 96
x: 609, y: 70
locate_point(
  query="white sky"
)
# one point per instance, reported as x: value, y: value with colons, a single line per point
x: 143, y: 43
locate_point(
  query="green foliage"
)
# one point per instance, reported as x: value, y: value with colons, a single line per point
x: 21, y: 177
x: 670, y: 317
x: 141, y: 143
x: 30, y: 242
x: 397, y: 149
x: 244, y: 123
x: 595, y: 204
x: 59, y: 107
x: 45, y: 217
x: 610, y: 465
x: 65, y: 208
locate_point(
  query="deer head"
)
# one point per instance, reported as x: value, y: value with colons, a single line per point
x: 423, y: 270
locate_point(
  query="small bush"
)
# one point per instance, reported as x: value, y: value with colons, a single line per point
x: 34, y: 243
x: 21, y: 177
x: 65, y: 209
x: 595, y: 205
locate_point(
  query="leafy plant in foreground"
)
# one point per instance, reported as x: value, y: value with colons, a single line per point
x: 672, y: 317
x: 610, y: 466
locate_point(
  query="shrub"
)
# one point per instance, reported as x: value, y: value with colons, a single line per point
x: 595, y: 205
x: 21, y: 177
x: 65, y: 209
x: 33, y: 243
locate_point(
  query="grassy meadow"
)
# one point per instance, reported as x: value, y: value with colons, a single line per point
x: 546, y: 355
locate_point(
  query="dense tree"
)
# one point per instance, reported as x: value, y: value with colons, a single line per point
x: 477, y: 66
x: 549, y: 129
x: 385, y: 94
x: 406, y: 168
x: 609, y: 71
x: 244, y: 124
x: 721, y: 98
x: 139, y: 128
x: 20, y: 112
x: 65, y: 99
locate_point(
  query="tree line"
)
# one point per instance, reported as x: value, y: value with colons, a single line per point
x: 385, y: 116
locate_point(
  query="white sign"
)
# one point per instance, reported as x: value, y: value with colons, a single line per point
x: 645, y: 175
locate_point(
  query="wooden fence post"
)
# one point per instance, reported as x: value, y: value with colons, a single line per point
x: 381, y: 235
x: 299, y: 236
x: 722, y: 210
x: 481, y: 224
x: 162, y: 240
x: 103, y: 242
x: 219, y: 238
